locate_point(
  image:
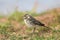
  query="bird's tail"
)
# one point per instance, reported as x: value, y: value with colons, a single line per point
x: 48, y: 27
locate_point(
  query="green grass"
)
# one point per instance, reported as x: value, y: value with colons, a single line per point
x: 13, y: 36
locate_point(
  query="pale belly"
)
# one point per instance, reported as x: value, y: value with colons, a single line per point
x: 28, y: 23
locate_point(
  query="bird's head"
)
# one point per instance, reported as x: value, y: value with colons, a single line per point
x: 27, y: 16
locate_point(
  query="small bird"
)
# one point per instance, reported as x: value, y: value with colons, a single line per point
x: 32, y: 22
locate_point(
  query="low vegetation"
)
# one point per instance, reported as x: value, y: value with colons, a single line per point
x: 13, y: 27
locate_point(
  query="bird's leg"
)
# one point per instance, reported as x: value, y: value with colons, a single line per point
x: 34, y: 29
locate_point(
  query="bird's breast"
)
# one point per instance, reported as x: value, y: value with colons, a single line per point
x: 28, y: 23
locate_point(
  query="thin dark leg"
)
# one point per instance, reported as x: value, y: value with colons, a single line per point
x: 34, y: 29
